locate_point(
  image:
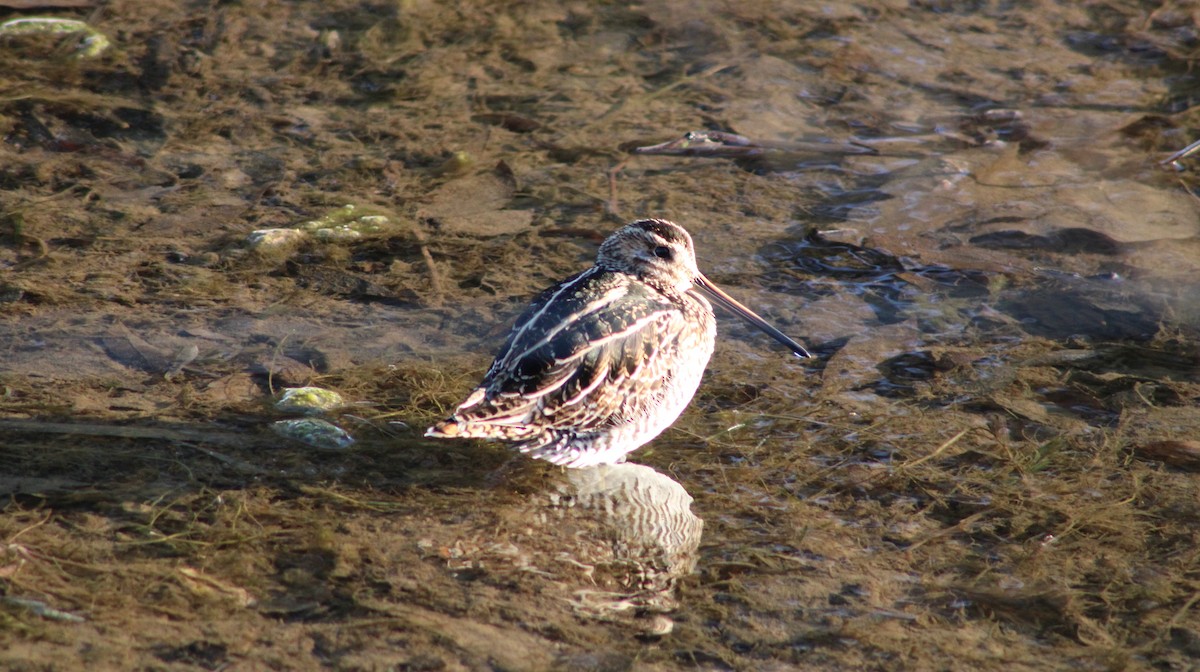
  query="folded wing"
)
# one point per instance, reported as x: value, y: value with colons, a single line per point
x: 588, y: 353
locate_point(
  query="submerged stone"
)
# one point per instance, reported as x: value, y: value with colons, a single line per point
x: 309, y: 400
x: 92, y: 44
x: 269, y: 241
x: 314, y: 432
x: 349, y: 222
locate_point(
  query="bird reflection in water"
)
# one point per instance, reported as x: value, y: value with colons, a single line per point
x: 612, y: 541
x: 635, y: 526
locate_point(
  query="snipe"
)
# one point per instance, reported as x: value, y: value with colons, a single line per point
x: 604, y: 361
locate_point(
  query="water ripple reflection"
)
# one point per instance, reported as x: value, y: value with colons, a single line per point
x: 633, y: 525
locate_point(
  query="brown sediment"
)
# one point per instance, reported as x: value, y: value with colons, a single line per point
x: 991, y: 464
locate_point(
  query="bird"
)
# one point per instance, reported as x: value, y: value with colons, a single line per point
x: 603, y: 362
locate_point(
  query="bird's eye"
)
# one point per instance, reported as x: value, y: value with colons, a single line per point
x: 663, y: 252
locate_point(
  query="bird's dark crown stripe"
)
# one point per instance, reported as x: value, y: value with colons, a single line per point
x: 661, y: 228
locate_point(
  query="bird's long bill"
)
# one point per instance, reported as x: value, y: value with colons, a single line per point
x: 731, y: 304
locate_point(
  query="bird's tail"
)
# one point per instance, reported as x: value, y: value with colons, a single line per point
x: 454, y: 428
x: 564, y: 448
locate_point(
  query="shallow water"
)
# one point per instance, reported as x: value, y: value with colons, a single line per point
x: 989, y: 464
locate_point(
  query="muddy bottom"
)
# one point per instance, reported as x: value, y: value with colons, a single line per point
x: 960, y: 210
